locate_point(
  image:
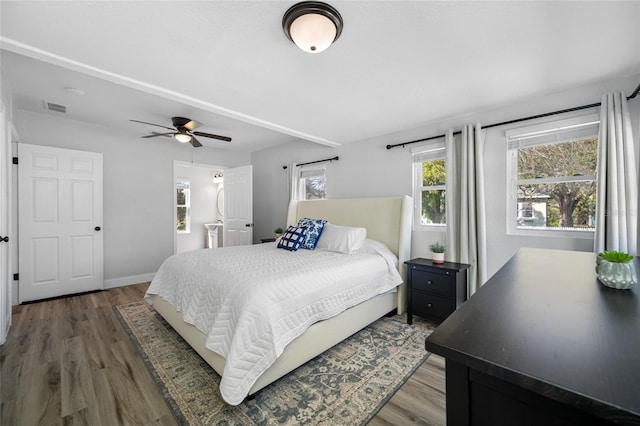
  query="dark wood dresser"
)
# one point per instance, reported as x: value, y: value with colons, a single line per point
x: 434, y: 290
x: 543, y: 343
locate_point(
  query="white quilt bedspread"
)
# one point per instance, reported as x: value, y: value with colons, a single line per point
x: 251, y: 301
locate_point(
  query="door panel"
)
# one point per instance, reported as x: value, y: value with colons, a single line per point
x: 81, y: 256
x: 238, y: 206
x: 81, y: 201
x: 46, y: 255
x: 45, y: 200
x: 60, y: 207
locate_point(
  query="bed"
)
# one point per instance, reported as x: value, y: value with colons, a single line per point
x: 387, y: 220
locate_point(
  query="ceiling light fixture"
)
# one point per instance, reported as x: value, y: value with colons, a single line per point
x: 182, y: 136
x: 312, y: 25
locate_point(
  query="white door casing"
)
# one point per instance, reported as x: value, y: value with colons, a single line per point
x: 238, y: 206
x: 5, y: 225
x: 60, y: 222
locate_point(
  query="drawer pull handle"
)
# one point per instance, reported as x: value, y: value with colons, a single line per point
x: 428, y: 305
x: 429, y: 282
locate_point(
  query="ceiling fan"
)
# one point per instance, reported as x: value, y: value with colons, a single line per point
x: 183, y: 131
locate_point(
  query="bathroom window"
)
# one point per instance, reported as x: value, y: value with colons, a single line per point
x: 183, y: 206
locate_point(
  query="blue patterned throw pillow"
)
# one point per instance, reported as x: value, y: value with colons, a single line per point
x: 314, y: 230
x: 293, y: 238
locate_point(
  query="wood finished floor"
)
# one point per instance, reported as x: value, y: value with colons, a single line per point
x: 69, y: 362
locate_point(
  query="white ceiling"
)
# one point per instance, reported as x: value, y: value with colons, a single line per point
x: 398, y: 65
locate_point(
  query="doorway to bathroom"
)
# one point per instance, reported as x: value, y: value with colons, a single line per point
x: 198, y: 201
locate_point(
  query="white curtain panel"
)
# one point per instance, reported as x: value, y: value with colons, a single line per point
x: 617, y: 192
x: 293, y: 177
x: 466, y: 239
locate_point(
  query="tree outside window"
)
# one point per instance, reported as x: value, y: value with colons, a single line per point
x: 566, y: 176
x: 433, y: 197
x: 315, y: 188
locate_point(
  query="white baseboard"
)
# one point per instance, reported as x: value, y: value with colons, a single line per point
x: 132, y: 279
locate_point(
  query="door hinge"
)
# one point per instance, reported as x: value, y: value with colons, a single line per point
x: 15, y: 277
x: 15, y: 160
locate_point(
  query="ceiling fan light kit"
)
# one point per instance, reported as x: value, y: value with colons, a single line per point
x: 312, y: 25
x: 182, y: 136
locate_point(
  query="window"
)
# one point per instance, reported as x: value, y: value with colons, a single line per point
x: 553, y: 178
x: 312, y: 183
x: 429, y: 177
x: 183, y: 206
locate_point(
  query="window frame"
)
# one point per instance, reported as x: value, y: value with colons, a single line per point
x: 186, y: 183
x: 308, y: 172
x: 432, y: 151
x: 562, y: 131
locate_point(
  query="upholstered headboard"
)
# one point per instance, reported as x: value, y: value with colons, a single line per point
x: 387, y: 219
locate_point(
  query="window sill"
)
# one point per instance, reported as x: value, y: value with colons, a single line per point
x: 430, y: 228
x: 548, y: 233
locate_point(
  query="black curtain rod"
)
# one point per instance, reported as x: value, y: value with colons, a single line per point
x: 336, y: 158
x: 517, y: 120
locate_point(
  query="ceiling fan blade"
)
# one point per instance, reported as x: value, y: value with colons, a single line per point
x: 187, y: 123
x: 154, y: 134
x: 209, y: 135
x: 192, y: 125
x: 159, y: 125
x: 195, y: 142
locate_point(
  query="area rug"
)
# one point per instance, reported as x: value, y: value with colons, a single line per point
x: 346, y: 385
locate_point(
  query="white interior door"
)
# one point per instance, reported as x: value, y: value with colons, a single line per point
x: 60, y: 222
x: 5, y: 211
x: 238, y: 206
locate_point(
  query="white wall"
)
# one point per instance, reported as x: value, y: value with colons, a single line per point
x: 138, y: 188
x: 368, y: 169
x: 270, y: 193
x: 203, y: 205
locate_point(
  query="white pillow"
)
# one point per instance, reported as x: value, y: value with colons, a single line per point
x: 344, y: 239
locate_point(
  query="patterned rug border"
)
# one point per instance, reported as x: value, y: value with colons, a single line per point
x: 395, y: 390
x: 173, y: 405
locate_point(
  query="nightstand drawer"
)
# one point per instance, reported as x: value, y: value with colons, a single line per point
x: 431, y: 306
x: 431, y: 282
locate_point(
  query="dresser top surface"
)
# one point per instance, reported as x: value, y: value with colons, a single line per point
x: 544, y: 320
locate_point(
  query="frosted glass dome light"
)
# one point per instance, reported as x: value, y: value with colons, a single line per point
x: 313, y: 26
x: 182, y: 137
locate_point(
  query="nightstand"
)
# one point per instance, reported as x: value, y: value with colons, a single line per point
x: 434, y: 291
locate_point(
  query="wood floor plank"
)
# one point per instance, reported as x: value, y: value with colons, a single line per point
x: 137, y: 389
x: 68, y: 361
x: 418, y: 401
x: 97, y: 352
x: 75, y: 383
x: 41, y: 403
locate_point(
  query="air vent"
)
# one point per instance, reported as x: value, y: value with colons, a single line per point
x: 55, y: 107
